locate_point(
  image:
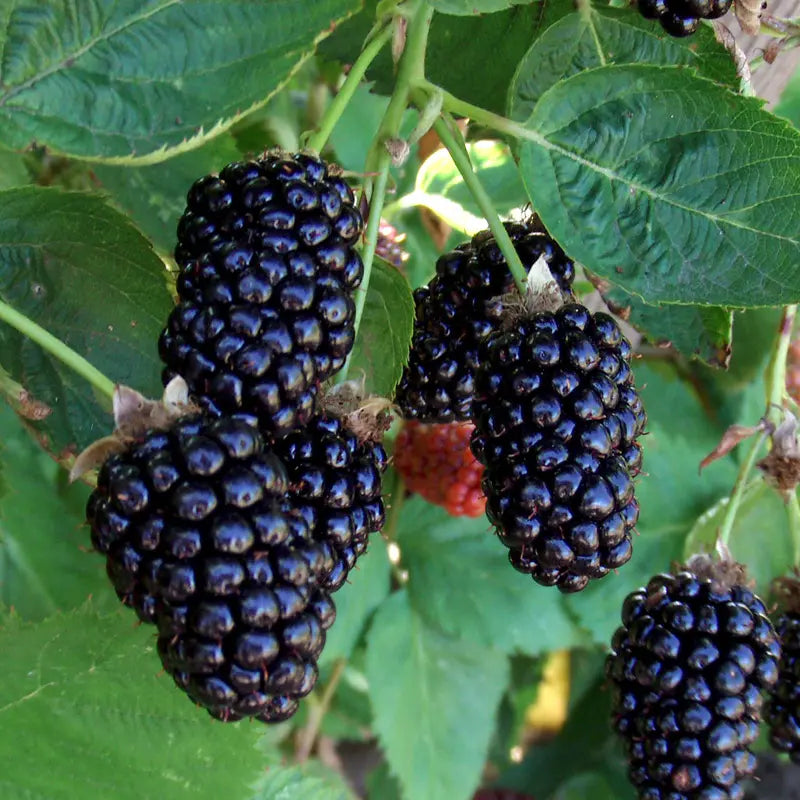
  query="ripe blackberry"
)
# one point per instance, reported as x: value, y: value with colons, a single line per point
x: 335, y: 486
x: 681, y: 18
x: 200, y: 538
x: 267, y: 271
x: 455, y: 312
x: 556, y: 422
x: 782, y: 712
x: 688, y: 665
x: 390, y: 245
x: 435, y: 462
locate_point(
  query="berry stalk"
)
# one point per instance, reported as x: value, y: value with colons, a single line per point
x: 776, y: 391
x: 410, y: 71
x: 308, y: 736
x: 317, y: 140
x: 455, y: 146
x: 66, y: 355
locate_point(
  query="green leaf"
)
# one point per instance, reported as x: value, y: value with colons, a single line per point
x: 760, y: 537
x: 300, y: 783
x: 134, y: 80
x: 440, y: 187
x: 461, y: 582
x: 473, y: 7
x: 44, y: 563
x: 457, y: 46
x: 789, y: 104
x: 155, y: 196
x: 368, y: 585
x: 434, y: 700
x: 13, y: 170
x: 79, y: 269
x: 692, y: 201
x: 382, y: 785
x: 702, y: 332
x: 599, y: 35
x: 106, y: 722
x: 381, y: 349
x: 671, y: 493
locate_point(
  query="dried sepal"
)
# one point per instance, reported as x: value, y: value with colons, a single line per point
x: 781, y: 467
x: 367, y: 417
x: 732, y: 437
x: 134, y: 415
x: 723, y: 571
x: 787, y: 591
x: 748, y: 12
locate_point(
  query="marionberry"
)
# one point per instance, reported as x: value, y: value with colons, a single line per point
x: 688, y: 665
x: 201, y: 538
x: 557, y: 419
x: 267, y: 272
x: 455, y: 313
x: 335, y: 486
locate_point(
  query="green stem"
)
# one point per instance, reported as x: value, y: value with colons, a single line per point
x: 739, y: 487
x: 776, y: 371
x: 318, y: 139
x: 389, y: 531
x: 308, y: 736
x: 57, y: 348
x: 455, y: 146
x: 411, y: 71
x: 793, y: 507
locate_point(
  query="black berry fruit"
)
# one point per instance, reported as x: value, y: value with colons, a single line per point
x: 783, y: 707
x: 455, y: 312
x: 688, y: 666
x: 390, y: 245
x: 335, y: 485
x: 200, y: 538
x: 681, y: 18
x: 267, y: 271
x: 556, y: 419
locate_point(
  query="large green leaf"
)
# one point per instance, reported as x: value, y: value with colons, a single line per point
x: 702, y: 332
x: 136, y: 79
x: 760, y: 536
x: 669, y: 185
x: 433, y: 699
x: 671, y: 494
x: 88, y: 691
x: 461, y: 582
x: 381, y: 349
x: 155, y: 196
x: 79, y: 269
x: 368, y: 584
x: 600, y: 35
x: 13, y: 170
x: 44, y: 563
x: 440, y: 187
x: 789, y: 104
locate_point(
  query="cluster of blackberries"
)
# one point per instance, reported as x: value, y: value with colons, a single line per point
x: 682, y: 17
x: 230, y: 529
x: 688, y: 667
x: 552, y: 399
x: 457, y: 311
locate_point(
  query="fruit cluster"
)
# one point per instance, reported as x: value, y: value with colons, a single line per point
x: 551, y: 395
x: 230, y: 528
x: 682, y: 17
